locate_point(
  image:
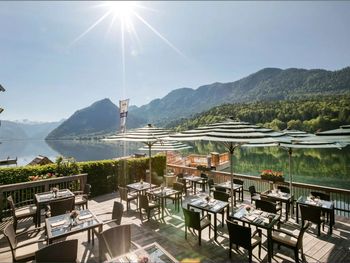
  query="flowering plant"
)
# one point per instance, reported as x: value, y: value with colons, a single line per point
x: 271, y: 175
x: 74, y: 214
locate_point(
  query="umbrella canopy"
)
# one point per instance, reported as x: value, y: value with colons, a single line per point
x: 165, y: 145
x: 148, y: 135
x: 233, y: 134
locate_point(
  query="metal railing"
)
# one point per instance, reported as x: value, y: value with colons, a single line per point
x: 340, y: 197
x: 24, y: 192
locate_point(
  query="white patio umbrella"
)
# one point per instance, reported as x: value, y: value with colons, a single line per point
x: 233, y: 134
x: 166, y: 145
x: 148, y: 135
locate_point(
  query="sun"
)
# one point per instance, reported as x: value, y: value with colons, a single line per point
x: 124, y: 10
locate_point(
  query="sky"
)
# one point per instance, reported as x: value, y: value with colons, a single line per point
x: 50, y: 67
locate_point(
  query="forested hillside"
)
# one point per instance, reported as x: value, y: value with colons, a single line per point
x: 265, y: 85
x: 311, y: 114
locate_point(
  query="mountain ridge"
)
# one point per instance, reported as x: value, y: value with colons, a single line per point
x: 267, y: 84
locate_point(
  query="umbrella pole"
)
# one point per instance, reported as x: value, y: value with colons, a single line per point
x: 150, y: 164
x: 290, y: 169
x: 232, y: 150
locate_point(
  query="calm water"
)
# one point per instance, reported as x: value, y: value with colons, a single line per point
x: 328, y: 167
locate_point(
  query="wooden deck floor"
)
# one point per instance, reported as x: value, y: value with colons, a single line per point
x: 170, y: 234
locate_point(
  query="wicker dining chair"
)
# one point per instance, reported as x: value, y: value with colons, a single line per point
x: 290, y: 240
x: 82, y: 197
x: 127, y: 197
x: 60, y: 207
x: 254, y: 195
x: 240, y: 192
x: 63, y: 251
x: 195, y: 221
x: 21, y: 212
x: 148, y: 206
x: 312, y: 214
x: 242, y: 236
x: 23, y: 251
x: 114, y: 241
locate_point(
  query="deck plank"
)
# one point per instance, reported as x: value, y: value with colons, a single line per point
x: 170, y: 234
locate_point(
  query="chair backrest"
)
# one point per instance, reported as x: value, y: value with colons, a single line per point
x: 301, y: 233
x: 220, y: 188
x: 266, y: 206
x: 143, y: 201
x: 192, y: 218
x: 123, y: 192
x: 252, y: 190
x: 283, y: 189
x: 310, y: 213
x: 322, y: 196
x: 87, y: 189
x: 238, y: 181
x: 239, y: 235
x: 10, y: 234
x: 11, y: 202
x: 64, y: 251
x: 268, y: 199
x: 203, y: 175
x: 178, y: 186
x: 180, y: 175
x: 117, y: 212
x: 222, y: 196
x: 211, y: 183
x: 12, y: 206
x: 60, y: 207
x: 116, y: 240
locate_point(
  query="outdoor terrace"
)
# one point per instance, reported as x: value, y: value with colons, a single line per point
x: 170, y: 234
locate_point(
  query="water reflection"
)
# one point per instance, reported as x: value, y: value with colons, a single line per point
x: 27, y: 150
x: 328, y: 167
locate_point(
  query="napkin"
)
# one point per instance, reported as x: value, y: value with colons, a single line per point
x: 251, y: 217
x: 58, y: 223
x: 85, y: 216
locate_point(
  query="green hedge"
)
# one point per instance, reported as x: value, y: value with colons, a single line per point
x: 104, y: 176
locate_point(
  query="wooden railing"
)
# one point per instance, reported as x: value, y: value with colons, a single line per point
x: 24, y: 192
x: 340, y: 197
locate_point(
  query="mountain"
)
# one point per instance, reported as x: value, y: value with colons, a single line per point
x: 100, y: 118
x: 15, y: 130
x: 265, y: 85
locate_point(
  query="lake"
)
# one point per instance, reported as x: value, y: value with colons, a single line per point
x: 327, y: 167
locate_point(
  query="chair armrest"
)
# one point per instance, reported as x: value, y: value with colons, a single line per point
x: 107, y: 213
x: 257, y: 231
x: 136, y: 245
x: 31, y: 230
x: 26, y: 202
x: 109, y: 221
x: 32, y: 242
x: 285, y: 232
x: 207, y: 215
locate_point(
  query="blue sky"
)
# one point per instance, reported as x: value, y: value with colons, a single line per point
x: 48, y: 78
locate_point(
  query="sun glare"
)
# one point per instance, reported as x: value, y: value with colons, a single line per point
x: 122, y: 9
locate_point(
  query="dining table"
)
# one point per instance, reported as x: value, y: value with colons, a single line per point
x: 326, y: 206
x: 251, y: 216
x: 276, y: 195
x: 149, y: 253
x: 65, y: 225
x: 45, y: 198
x: 227, y: 186
x: 162, y: 194
x: 212, y: 206
x: 194, y: 180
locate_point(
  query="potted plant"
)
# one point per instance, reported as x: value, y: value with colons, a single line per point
x: 272, y: 176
